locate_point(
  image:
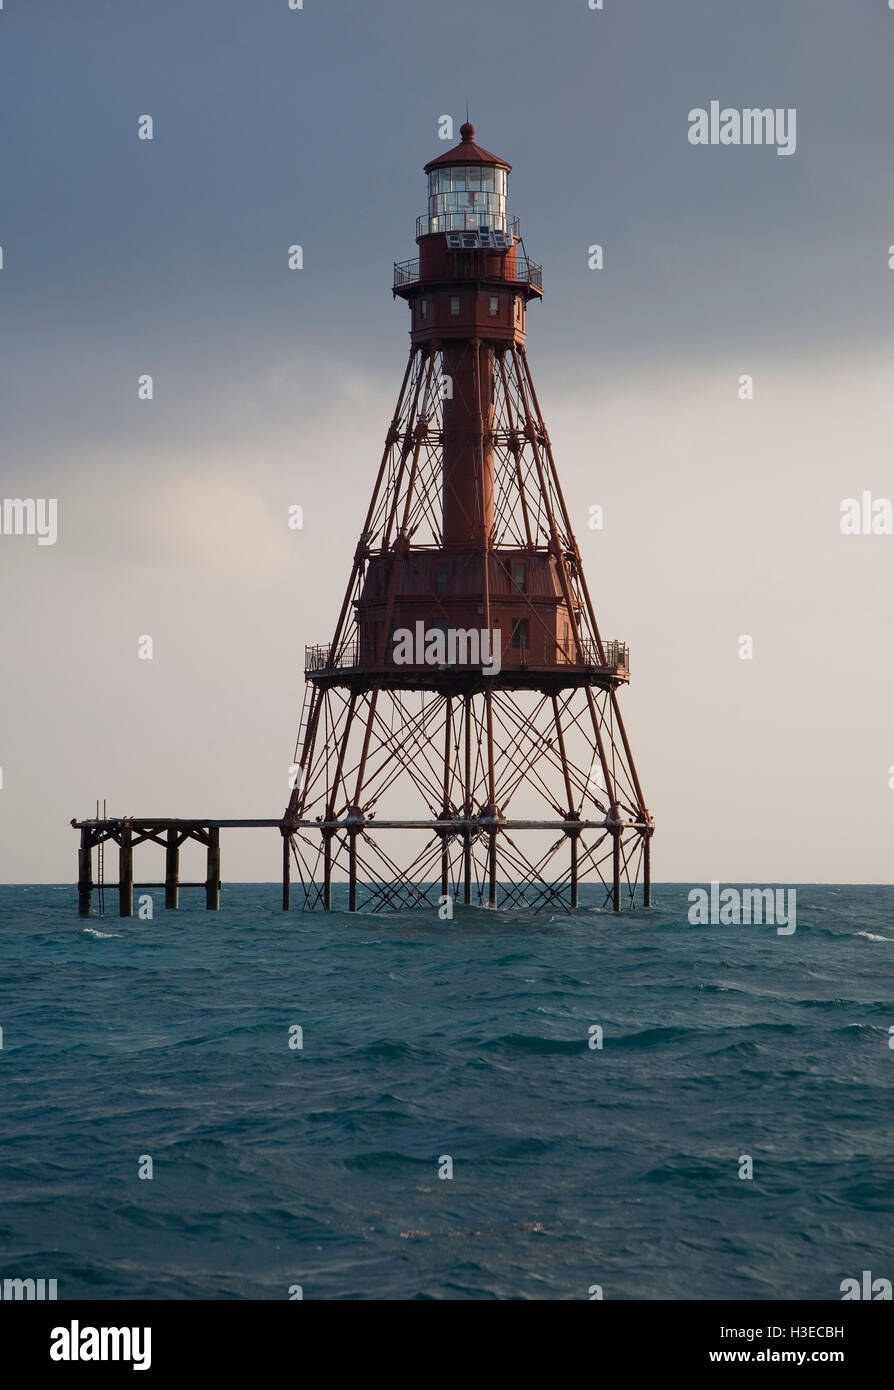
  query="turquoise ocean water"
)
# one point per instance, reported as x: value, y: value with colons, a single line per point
x: 275, y: 1166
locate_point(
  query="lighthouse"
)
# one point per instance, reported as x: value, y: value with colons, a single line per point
x: 461, y: 739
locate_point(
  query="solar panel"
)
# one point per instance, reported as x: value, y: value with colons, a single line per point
x: 483, y: 238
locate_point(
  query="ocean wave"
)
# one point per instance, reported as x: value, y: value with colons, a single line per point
x: 530, y: 1043
x: 387, y: 1050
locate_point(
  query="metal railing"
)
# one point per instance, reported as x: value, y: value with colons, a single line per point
x: 317, y: 658
x: 527, y: 272
x: 548, y: 653
x: 540, y: 654
x: 617, y: 654
x: 465, y: 222
x: 406, y: 272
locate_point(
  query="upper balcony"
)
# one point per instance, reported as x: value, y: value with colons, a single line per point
x: 468, y: 266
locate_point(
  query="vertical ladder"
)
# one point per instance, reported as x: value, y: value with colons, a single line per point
x: 306, y: 708
x: 300, y: 758
x: 100, y: 867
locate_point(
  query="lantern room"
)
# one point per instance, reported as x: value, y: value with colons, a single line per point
x: 467, y: 190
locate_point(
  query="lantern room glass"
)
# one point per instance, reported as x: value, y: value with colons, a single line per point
x: 467, y: 197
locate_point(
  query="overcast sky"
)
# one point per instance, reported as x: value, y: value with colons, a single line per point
x: 274, y: 387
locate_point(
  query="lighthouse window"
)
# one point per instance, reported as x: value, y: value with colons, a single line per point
x: 520, y: 634
x: 442, y: 577
x: 466, y: 196
x: 454, y: 305
x: 494, y: 305
x: 519, y: 575
x: 423, y: 308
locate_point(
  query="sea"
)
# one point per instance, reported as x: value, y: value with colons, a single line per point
x: 253, y: 1105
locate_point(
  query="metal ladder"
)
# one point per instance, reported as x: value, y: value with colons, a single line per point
x: 302, y: 727
x: 101, y: 868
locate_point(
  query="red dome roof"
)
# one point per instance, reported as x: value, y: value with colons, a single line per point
x: 467, y: 152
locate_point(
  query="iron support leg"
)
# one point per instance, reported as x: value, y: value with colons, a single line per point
x: 286, y: 870
x: 352, y: 872
x: 327, y: 871
x: 212, y: 882
x: 172, y: 870
x: 125, y: 875
x: 647, y: 869
x: 85, y: 875
x: 616, y: 870
x: 574, y: 894
x: 492, y: 848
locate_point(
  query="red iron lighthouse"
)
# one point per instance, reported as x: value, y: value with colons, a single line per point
x: 461, y: 738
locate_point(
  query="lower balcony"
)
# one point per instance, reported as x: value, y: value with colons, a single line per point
x: 531, y: 660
